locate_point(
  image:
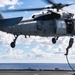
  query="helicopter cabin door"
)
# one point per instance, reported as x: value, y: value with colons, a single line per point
x: 69, y: 26
x: 60, y: 27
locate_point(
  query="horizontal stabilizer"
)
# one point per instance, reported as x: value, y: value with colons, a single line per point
x: 10, y: 21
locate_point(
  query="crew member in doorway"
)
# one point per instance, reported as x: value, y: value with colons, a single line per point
x: 70, y: 45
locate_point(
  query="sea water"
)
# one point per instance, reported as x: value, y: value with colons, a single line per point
x: 37, y: 66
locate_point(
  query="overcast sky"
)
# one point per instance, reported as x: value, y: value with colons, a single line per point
x: 34, y: 49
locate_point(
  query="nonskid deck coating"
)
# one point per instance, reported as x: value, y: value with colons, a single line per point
x: 20, y: 72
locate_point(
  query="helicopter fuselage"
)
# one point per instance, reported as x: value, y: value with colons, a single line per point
x: 55, y: 27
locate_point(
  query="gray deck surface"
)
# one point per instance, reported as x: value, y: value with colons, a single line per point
x: 36, y: 72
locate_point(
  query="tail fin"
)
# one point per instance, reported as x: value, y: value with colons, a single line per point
x: 1, y: 16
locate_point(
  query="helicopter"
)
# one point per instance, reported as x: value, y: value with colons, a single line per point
x: 49, y: 24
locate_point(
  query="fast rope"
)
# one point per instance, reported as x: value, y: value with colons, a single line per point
x: 69, y: 63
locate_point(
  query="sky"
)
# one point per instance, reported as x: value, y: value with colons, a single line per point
x: 34, y: 49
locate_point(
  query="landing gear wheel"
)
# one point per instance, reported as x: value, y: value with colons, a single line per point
x: 14, y: 41
x: 53, y: 40
x: 12, y: 44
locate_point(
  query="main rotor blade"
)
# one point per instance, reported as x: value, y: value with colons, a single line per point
x: 66, y: 5
x: 69, y: 4
x: 49, y: 2
x: 20, y: 10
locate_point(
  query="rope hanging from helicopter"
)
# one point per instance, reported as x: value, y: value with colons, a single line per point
x: 69, y: 63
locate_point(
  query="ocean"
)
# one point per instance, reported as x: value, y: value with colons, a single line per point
x: 36, y: 66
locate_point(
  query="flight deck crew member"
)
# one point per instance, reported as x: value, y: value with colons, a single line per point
x: 70, y: 45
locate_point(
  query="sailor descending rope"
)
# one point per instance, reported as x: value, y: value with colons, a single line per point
x: 69, y: 46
